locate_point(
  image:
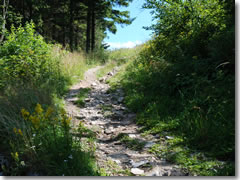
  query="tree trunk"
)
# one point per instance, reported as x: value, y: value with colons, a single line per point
x: 5, y: 7
x: 71, y: 34
x: 23, y: 12
x: 64, y: 36
x: 88, y: 28
x: 93, y: 29
x: 30, y: 10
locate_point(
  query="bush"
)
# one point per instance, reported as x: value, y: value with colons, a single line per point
x: 26, y: 61
x: 44, y: 145
x: 39, y: 139
x: 182, y: 82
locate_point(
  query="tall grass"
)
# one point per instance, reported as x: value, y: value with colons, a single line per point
x: 74, y: 64
x: 117, y: 58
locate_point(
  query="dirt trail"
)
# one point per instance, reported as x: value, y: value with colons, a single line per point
x: 105, y: 113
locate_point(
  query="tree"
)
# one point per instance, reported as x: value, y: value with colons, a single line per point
x: 103, y: 14
x: 4, y: 17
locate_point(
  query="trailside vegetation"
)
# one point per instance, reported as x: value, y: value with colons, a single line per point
x: 36, y: 133
x: 182, y: 83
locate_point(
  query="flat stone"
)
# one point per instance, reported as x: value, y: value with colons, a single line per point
x: 149, y: 144
x: 131, y: 115
x: 94, y: 84
x: 110, y: 73
x: 117, y: 161
x: 80, y: 117
x: 137, y: 171
x: 169, y: 137
x: 72, y: 99
x: 138, y: 164
x: 120, y: 99
x: 132, y: 135
x: 102, y: 79
x: 176, y: 172
x: 107, y: 131
x: 119, y: 156
x: 87, y: 100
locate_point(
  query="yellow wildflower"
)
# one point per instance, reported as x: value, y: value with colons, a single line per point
x: 15, y: 130
x: 20, y: 132
x: 35, y: 121
x: 49, y: 111
x: 38, y: 109
x: 66, y: 121
x: 25, y: 113
x: 15, y: 156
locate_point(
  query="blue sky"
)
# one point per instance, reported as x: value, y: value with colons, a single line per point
x: 130, y: 35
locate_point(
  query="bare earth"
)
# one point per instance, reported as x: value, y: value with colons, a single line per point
x: 105, y: 114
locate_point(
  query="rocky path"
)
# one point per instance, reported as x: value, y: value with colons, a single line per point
x: 120, y: 149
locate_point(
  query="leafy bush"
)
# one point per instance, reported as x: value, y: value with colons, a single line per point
x: 26, y: 61
x: 45, y: 145
x: 182, y: 82
x: 32, y: 72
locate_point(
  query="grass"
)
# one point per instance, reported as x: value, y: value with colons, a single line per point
x: 53, y: 147
x: 117, y: 58
x: 82, y: 95
x: 193, y: 115
x: 132, y: 143
x: 74, y: 64
x: 107, y: 68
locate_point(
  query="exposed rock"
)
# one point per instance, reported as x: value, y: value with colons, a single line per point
x: 108, y: 131
x: 87, y: 100
x: 138, y: 164
x: 110, y: 74
x: 177, y: 172
x: 149, y: 144
x: 117, y: 161
x: 137, y: 171
x: 120, y: 99
x: 169, y: 137
x: 74, y: 99
x: 102, y: 79
x: 132, y: 135
x: 93, y: 84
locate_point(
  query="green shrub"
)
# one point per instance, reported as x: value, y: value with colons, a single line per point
x: 26, y: 61
x: 182, y: 82
x: 44, y: 145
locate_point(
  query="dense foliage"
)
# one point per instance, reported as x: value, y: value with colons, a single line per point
x: 183, y: 80
x: 35, y: 132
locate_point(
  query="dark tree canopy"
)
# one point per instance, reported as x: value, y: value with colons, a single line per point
x: 71, y: 23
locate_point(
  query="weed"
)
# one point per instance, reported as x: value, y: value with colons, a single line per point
x: 131, y: 143
x: 82, y: 95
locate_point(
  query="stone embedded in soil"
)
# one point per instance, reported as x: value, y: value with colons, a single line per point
x: 120, y: 99
x: 94, y: 84
x: 74, y: 99
x: 137, y: 171
x: 138, y: 164
x: 169, y: 137
x: 87, y: 100
x: 149, y: 144
x: 132, y: 135
x: 110, y: 73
